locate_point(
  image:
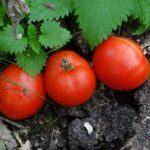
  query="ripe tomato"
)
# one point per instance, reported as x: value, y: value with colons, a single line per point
x: 69, y: 79
x: 120, y: 63
x: 17, y: 101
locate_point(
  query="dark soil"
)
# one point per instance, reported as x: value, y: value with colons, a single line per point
x: 116, y: 125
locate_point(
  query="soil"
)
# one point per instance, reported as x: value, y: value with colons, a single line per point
x: 110, y: 120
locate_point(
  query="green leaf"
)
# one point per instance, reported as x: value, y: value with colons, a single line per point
x: 29, y: 2
x: 97, y: 18
x: 32, y: 64
x: 141, y: 29
x: 8, y: 43
x: 53, y: 35
x: 41, y: 9
x: 142, y: 12
x: 33, y: 39
x: 2, y: 14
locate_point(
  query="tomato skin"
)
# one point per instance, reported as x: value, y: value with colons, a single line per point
x: 120, y: 63
x: 17, y: 102
x: 73, y: 87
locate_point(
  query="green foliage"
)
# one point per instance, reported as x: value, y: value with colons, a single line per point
x: 2, y: 14
x: 142, y: 12
x: 32, y: 62
x: 33, y: 38
x: 53, y: 35
x: 9, y: 43
x: 97, y: 18
x: 42, y: 30
x: 49, y: 9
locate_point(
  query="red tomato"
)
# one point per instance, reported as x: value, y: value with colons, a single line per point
x: 120, y: 63
x: 69, y: 79
x: 18, y: 102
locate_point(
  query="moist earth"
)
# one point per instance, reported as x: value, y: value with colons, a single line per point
x: 116, y: 123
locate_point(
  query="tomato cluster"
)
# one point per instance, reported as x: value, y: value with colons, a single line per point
x: 70, y: 81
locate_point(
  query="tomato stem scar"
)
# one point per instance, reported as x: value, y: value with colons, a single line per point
x: 66, y: 64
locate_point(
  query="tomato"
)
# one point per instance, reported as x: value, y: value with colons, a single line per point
x: 69, y: 79
x: 20, y: 94
x: 120, y: 63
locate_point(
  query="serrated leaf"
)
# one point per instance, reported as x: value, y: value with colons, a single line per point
x: 32, y: 64
x: 2, y: 14
x: 8, y: 43
x: 49, y: 9
x: 142, y: 12
x: 97, y: 18
x: 33, y: 39
x: 53, y: 35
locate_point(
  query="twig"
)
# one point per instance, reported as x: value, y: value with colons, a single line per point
x: 106, y: 103
x: 51, y: 123
x: 53, y: 50
x: 97, y: 107
x: 9, y: 61
x: 119, y: 31
x: 108, y: 100
x: 145, y: 45
x: 145, y: 119
x: 54, y: 134
x: 12, y: 123
x: 23, y: 87
x: 16, y: 134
